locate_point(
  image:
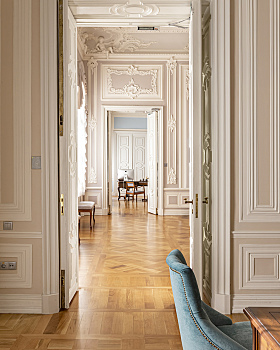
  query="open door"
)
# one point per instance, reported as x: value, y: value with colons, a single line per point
x: 152, y: 157
x: 109, y: 161
x: 195, y: 137
x: 69, y: 256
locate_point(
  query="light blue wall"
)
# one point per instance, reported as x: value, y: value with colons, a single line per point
x: 130, y: 123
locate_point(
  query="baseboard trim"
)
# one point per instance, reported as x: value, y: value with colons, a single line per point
x: 176, y: 211
x: 221, y: 302
x: 50, y: 304
x: 21, y: 303
x: 239, y: 302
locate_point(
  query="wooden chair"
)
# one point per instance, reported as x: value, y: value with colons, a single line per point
x: 132, y: 190
x: 87, y: 207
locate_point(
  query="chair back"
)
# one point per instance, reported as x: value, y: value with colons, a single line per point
x: 196, y: 329
x: 130, y: 186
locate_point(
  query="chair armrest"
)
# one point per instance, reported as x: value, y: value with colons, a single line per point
x: 216, y: 317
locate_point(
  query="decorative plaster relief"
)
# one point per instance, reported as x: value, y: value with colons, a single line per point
x: 92, y: 123
x: 188, y: 84
x: 132, y: 89
x: 206, y: 73
x: 171, y: 65
x: 72, y: 154
x: 92, y: 64
x: 172, y: 123
x: 116, y: 40
x: 134, y: 9
x: 172, y: 177
x: 207, y: 156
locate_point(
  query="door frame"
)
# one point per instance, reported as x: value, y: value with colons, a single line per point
x: 220, y: 12
x: 104, y: 128
x: 221, y: 162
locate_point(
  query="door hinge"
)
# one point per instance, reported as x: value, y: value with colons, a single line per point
x: 62, y: 204
x: 62, y: 289
x: 196, y: 206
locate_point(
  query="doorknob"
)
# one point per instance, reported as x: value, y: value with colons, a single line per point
x: 187, y: 201
x: 205, y: 200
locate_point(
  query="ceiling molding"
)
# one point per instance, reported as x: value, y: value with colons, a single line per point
x: 134, y: 9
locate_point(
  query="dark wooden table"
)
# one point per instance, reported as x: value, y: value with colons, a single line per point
x: 122, y: 184
x: 265, y: 322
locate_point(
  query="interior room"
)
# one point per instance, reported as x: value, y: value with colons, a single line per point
x: 176, y: 100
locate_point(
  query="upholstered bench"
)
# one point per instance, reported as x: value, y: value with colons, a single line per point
x: 87, y: 207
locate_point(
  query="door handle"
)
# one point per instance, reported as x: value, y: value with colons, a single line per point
x: 187, y: 201
x: 205, y: 200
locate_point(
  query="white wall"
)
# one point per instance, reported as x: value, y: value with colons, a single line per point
x: 255, y: 276
x: 157, y: 83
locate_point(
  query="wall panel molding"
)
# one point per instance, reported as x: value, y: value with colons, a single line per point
x: 248, y: 275
x: 240, y: 301
x: 49, y: 172
x: 92, y: 122
x: 22, y: 253
x: 20, y: 208
x: 171, y: 97
x: 174, y: 199
x: 251, y: 208
x: 135, y: 82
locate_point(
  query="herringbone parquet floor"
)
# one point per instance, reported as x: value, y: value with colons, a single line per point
x: 125, y: 299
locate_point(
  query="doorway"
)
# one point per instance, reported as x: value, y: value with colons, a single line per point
x: 154, y: 154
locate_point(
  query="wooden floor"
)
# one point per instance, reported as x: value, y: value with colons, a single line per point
x: 125, y: 299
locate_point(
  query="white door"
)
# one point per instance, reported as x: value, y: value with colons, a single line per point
x: 69, y: 255
x: 109, y: 161
x: 124, y: 151
x: 139, y: 155
x: 206, y: 160
x: 152, y: 154
x: 196, y: 142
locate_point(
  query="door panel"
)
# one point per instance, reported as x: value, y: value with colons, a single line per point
x: 139, y: 156
x: 124, y: 151
x: 195, y: 137
x: 152, y: 153
x: 69, y: 255
x: 207, y: 158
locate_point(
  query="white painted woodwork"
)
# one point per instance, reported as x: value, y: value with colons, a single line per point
x: 22, y: 276
x: 207, y: 156
x: 152, y: 154
x: 131, y: 82
x: 129, y: 152
x: 19, y: 208
x: 221, y: 162
x: 265, y: 255
x: 21, y: 303
x: 92, y: 122
x: 256, y: 206
x: 124, y: 151
x: 68, y: 162
x: 139, y: 155
x: 195, y: 135
x: 171, y: 85
x: 50, y: 249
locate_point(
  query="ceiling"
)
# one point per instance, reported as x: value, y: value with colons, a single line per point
x: 122, y: 13
x: 125, y: 40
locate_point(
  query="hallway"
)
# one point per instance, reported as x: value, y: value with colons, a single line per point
x: 125, y: 299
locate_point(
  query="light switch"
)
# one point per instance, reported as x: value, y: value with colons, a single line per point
x: 7, y: 225
x: 35, y: 162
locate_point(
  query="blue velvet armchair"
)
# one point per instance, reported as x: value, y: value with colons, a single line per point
x: 202, y: 327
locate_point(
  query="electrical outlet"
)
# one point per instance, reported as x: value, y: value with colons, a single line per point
x: 7, y: 225
x: 4, y: 265
x: 12, y: 265
x: 8, y: 265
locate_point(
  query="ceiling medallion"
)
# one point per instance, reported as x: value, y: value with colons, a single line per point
x: 134, y: 9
